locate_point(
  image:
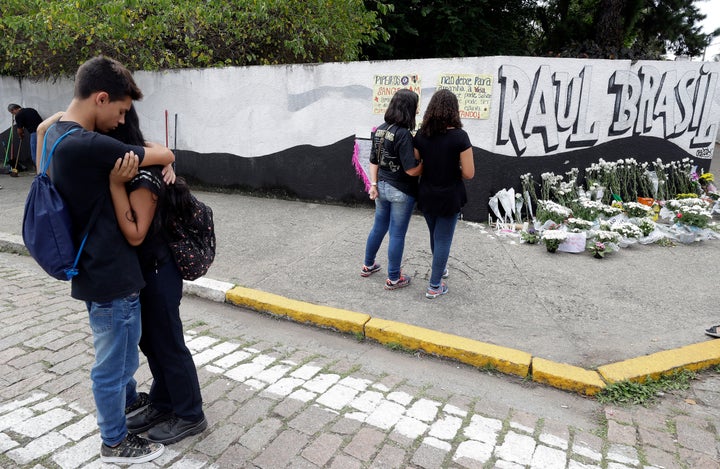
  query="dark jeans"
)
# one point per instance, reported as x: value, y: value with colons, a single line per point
x: 442, y: 229
x: 175, y: 384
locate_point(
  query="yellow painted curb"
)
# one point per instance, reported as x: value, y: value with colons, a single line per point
x: 567, y: 377
x: 690, y: 357
x: 464, y: 350
x: 299, y: 311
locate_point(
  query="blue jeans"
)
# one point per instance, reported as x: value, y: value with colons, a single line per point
x: 442, y: 230
x: 33, y: 146
x: 116, y: 334
x: 393, y: 209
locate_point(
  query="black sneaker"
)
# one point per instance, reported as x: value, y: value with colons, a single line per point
x: 175, y: 429
x: 146, y: 419
x: 132, y: 450
x: 142, y: 400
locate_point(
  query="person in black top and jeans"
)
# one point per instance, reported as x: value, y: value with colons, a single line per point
x: 144, y: 208
x: 394, y: 174
x: 447, y: 157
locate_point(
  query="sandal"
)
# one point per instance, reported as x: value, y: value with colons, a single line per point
x: 713, y: 332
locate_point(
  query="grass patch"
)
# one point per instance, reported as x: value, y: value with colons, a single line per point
x: 396, y: 347
x: 645, y: 392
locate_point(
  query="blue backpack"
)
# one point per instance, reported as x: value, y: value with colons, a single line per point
x: 47, y: 229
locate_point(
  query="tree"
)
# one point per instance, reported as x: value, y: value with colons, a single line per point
x: 461, y: 28
x: 47, y: 38
x: 635, y: 29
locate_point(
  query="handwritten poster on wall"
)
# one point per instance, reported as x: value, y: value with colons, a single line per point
x: 474, y: 93
x: 385, y: 86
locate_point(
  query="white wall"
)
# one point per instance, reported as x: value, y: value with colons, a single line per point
x: 255, y: 111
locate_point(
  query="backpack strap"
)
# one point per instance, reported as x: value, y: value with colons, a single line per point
x: 45, y: 161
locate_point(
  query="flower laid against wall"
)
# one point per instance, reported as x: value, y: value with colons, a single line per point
x: 692, y: 212
x: 597, y: 249
x: 578, y: 224
x: 604, y: 236
x: 549, y: 210
x: 635, y: 209
x: 626, y: 230
x: 553, y: 238
x: 625, y: 203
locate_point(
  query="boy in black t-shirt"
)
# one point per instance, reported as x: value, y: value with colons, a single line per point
x: 109, y: 278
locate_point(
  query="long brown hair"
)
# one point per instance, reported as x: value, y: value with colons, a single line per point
x: 442, y: 112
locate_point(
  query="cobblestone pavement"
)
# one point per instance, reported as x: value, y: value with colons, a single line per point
x: 281, y: 395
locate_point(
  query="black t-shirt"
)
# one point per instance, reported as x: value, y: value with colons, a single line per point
x: 28, y: 118
x: 80, y: 169
x: 442, y: 191
x: 154, y: 250
x: 397, y: 156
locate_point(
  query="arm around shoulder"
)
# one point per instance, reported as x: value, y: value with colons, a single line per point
x: 156, y: 154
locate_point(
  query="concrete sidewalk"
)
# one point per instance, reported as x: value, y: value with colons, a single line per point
x: 512, y: 306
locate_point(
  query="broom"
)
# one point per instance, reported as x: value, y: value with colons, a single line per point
x: 14, y: 171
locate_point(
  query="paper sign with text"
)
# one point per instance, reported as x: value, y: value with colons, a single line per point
x: 474, y: 93
x: 385, y: 86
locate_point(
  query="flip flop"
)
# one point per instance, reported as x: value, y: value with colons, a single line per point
x: 713, y: 332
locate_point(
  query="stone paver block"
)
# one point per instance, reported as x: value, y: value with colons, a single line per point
x: 365, y: 443
x: 321, y: 450
x: 389, y: 457
x: 311, y: 420
x: 429, y: 457
x: 337, y: 397
x: 692, y: 434
x: 623, y: 454
x: 281, y: 450
x: 219, y: 439
x: 38, y: 448
x: 546, y: 457
x: 424, y: 410
x: 446, y: 428
x: 473, y: 454
x: 659, y: 439
x: 659, y: 458
x: 321, y: 382
x: 235, y: 457
x: 343, y: 461
x: 588, y: 446
x: 483, y: 429
x: 623, y: 434
x: 76, y: 456
x: 386, y: 415
x: 516, y: 448
x: 260, y: 435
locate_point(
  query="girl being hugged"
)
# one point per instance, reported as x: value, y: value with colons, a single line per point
x: 447, y: 158
x: 394, y: 175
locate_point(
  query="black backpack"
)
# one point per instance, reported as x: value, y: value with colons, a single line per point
x: 192, y: 241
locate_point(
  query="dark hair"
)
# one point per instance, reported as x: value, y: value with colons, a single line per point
x: 174, y: 201
x: 105, y: 74
x: 402, y: 109
x: 129, y: 132
x: 13, y: 106
x: 443, y: 111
